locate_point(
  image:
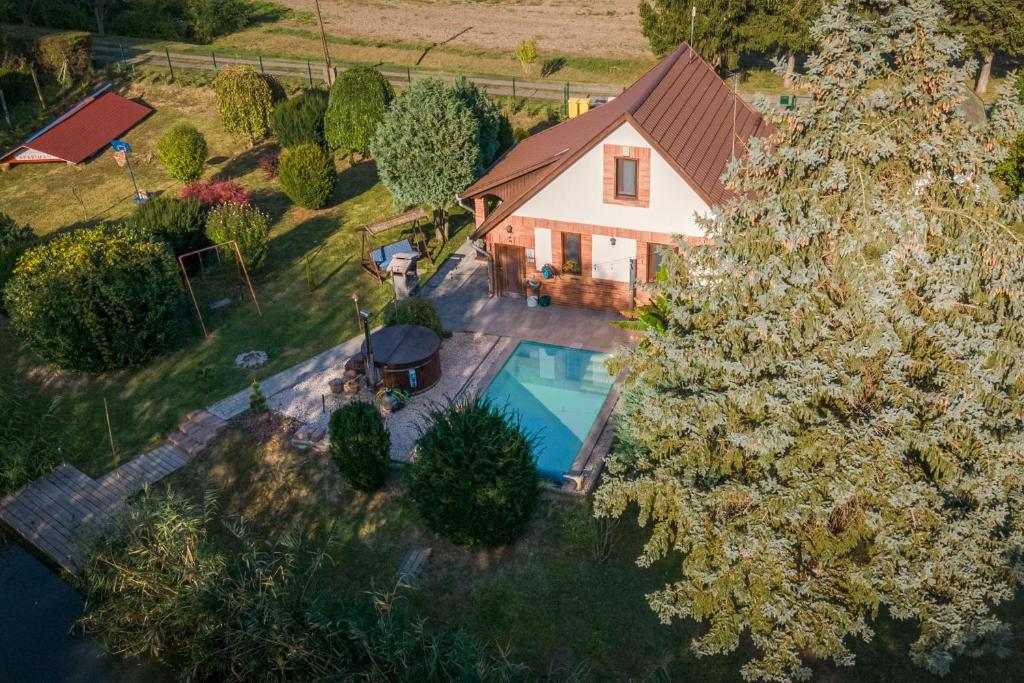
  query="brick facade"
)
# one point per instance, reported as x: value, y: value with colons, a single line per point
x: 642, y: 155
x: 582, y: 291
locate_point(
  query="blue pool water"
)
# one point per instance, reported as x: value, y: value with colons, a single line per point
x: 558, y: 393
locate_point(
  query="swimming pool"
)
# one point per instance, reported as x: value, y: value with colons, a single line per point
x: 558, y: 393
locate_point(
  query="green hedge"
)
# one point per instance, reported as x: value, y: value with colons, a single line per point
x: 360, y: 445
x: 182, y: 150
x: 307, y: 175
x: 475, y: 480
x: 96, y: 299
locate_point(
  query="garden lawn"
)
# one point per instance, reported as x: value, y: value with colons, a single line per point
x: 546, y: 596
x: 148, y: 402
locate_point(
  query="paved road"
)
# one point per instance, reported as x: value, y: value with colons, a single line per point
x: 37, y: 613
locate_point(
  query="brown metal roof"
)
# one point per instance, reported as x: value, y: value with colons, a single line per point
x: 680, y: 106
x: 86, y: 128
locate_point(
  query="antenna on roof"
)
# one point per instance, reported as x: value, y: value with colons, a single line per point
x: 735, y: 96
x: 693, y: 18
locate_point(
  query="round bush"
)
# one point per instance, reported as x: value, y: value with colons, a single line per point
x: 96, y: 299
x: 475, y: 480
x: 14, y: 241
x: 182, y: 151
x: 300, y: 119
x: 360, y: 445
x: 307, y: 175
x: 246, y: 225
x: 416, y: 311
x: 359, y: 99
x: 178, y: 223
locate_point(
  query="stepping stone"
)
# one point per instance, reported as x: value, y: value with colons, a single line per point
x: 413, y: 564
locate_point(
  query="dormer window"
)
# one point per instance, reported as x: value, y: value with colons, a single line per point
x: 626, y: 178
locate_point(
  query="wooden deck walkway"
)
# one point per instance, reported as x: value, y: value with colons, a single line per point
x: 56, y: 513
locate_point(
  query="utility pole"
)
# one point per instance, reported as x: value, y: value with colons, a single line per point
x: 328, y: 70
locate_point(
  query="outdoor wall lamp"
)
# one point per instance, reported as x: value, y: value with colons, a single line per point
x: 612, y: 241
x: 508, y: 229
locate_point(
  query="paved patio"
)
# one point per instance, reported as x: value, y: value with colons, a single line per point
x: 459, y: 292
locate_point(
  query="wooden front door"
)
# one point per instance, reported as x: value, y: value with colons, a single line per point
x: 510, y: 267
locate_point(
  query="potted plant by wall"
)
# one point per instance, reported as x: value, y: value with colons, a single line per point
x: 571, y: 267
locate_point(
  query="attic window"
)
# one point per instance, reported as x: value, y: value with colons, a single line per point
x: 626, y: 178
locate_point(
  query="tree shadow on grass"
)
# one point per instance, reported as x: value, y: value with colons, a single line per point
x: 245, y: 162
x: 303, y: 238
x: 552, y: 66
x: 354, y: 181
x: 274, y: 203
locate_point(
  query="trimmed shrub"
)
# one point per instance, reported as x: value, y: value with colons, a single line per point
x: 245, y: 101
x: 182, y: 151
x: 359, y: 98
x: 247, y: 226
x: 416, y: 311
x: 96, y: 299
x: 14, y: 241
x: 307, y: 175
x: 475, y: 480
x: 216, y: 193
x: 178, y: 223
x: 360, y: 445
x: 300, y: 119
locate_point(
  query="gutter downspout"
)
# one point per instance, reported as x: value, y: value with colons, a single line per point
x: 488, y: 257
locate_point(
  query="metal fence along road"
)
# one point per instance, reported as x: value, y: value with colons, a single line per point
x: 316, y: 72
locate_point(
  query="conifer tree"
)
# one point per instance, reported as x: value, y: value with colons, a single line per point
x: 831, y: 420
x: 257, y: 401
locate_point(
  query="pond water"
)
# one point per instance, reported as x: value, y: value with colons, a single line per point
x: 37, y: 642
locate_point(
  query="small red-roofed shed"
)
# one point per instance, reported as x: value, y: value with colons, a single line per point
x: 82, y: 131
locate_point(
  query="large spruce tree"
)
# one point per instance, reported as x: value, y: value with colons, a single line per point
x: 832, y: 420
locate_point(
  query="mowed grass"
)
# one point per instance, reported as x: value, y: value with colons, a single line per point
x: 146, y: 403
x: 546, y: 597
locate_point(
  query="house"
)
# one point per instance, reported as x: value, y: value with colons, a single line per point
x: 80, y: 132
x: 597, y: 196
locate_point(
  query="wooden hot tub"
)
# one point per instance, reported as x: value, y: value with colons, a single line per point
x: 407, y: 356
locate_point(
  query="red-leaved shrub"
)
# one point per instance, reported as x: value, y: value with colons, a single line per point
x: 214, y: 193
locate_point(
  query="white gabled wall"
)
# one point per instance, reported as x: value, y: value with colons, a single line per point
x: 577, y: 195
